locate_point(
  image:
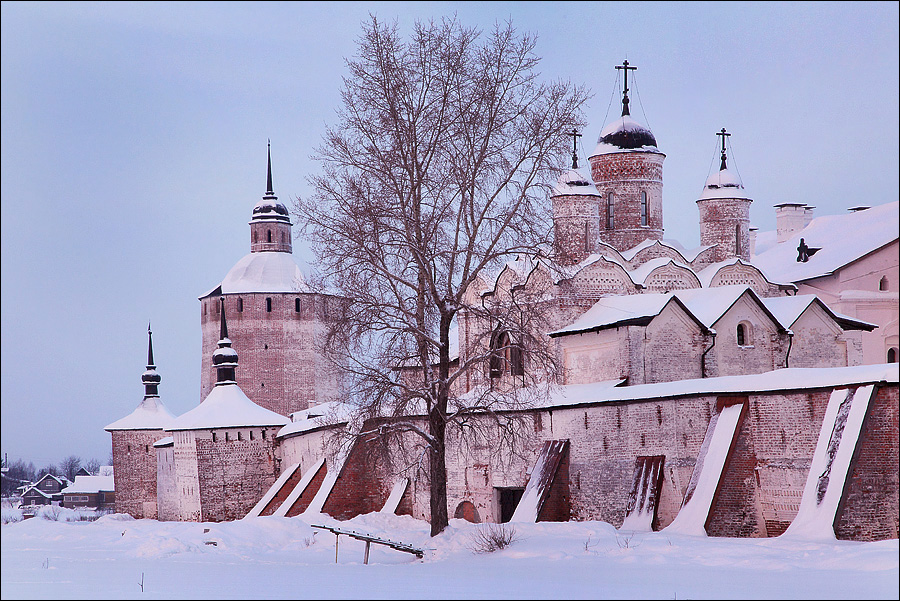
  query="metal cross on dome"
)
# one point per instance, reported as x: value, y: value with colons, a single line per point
x: 724, y: 135
x: 575, y: 135
x: 626, y: 67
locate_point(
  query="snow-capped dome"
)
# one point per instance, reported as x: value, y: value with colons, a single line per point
x: 573, y: 182
x: 226, y: 407
x: 723, y: 184
x: 225, y: 355
x: 625, y: 134
x: 151, y: 414
x: 264, y: 272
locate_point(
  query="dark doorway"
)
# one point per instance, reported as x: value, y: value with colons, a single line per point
x: 509, y: 500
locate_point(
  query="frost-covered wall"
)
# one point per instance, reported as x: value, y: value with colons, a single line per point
x: 166, y: 498
x: 626, y: 175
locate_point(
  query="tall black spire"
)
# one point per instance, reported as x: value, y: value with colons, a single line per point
x: 150, y: 378
x: 724, y: 135
x: 225, y: 358
x: 269, y: 189
x: 626, y: 67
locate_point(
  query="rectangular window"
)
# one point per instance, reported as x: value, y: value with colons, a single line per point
x: 609, y: 211
x: 268, y: 305
x: 645, y: 212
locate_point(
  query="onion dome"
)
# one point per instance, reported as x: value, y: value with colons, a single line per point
x: 724, y: 183
x: 225, y: 358
x: 574, y: 183
x: 269, y: 209
x: 625, y: 134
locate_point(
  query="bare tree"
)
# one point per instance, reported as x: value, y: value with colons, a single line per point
x: 69, y: 466
x: 435, y: 174
x: 93, y: 466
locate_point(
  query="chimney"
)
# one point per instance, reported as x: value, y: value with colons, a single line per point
x: 807, y: 215
x: 790, y: 218
x: 753, y: 231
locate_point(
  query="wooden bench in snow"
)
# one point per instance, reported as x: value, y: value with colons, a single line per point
x: 369, y: 539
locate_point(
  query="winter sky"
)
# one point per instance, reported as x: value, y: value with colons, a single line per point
x: 134, y: 140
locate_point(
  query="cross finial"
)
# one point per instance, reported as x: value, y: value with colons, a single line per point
x: 223, y: 328
x: 575, y: 135
x: 149, y: 347
x: 724, y: 135
x: 626, y: 67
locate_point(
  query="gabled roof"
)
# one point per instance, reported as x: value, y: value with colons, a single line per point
x: 710, y: 304
x: 842, y: 239
x: 621, y: 311
x: 788, y: 310
x: 34, y: 488
x: 708, y: 273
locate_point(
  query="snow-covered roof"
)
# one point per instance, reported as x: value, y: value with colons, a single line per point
x: 842, y: 239
x: 793, y: 378
x: 624, y: 134
x: 617, y: 310
x: 226, y: 406
x: 709, y: 304
x: 90, y: 484
x: 788, y: 309
x: 574, y: 183
x: 164, y: 442
x: 709, y: 272
x: 150, y: 414
x: 267, y: 271
x: 723, y: 184
x: 323, y: 414
x: 34, y: 488
x: 640, y: 274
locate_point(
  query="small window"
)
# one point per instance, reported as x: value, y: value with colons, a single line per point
x: 214, y: 437
x: 609, y: 211
x: 743, y: 334
x: 263, y: 434
x: 239, y: 436
x: 587, y: 236
x: 296, y: 305
x: 883, y: 284
x: 240, y: 305
x: 892, y: 355
x: 737, y: 239
x: 204, y: 308
x: 268, y: 235
x: 268, y: 305
x: 251, y: 434
x: 227, y: 438
x: 282, y: 238
x: 255, y: 237
x: 645, y: 210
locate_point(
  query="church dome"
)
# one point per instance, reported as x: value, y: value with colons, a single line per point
x: 625, y: 134
x: 264, y: 272
x: 270, y: 209
x: 574, y: 183
x: 723, y: 184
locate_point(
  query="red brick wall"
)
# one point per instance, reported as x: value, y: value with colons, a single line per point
x: 279, y: 365
x: 725, y: 222
x: 363, y: 485
x: 234, y: 474
x: 870, y: 509
x: 556, y: 506
x: 283, y: 493
x: 134, y: 471
x: 306, y: 497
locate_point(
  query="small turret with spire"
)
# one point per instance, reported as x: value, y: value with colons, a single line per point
x: 225, y: 358
x: 270, y: 226
x: 725, y: 211
x: 150, y: 377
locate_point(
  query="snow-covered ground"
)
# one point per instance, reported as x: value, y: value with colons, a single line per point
x: 275, y: 558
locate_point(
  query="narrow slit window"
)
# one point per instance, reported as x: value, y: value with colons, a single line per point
x: 268, y: 305
x: 268, y: 235
x: 240, y: 305
x: 645, y: 210
x: 609, y: 211
x: 296, y: 305
x: 741, y: 335
x: 883, y: 284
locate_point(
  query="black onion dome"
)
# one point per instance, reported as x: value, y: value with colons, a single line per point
x: 225, y: 355
x: 627, y: 134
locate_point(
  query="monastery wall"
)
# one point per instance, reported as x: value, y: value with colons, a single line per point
x: 166, y: 483
x: 234, y: 470
x: 134, y: 471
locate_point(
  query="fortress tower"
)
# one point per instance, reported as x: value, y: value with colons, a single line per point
x: 134, y: 458
x: 725, y: 212
x: 275, y: 318
x: 626, y: 167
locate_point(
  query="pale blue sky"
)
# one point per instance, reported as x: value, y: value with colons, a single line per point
x: 134, y: 139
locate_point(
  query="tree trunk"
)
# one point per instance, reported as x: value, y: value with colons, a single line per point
x: 438, y: 472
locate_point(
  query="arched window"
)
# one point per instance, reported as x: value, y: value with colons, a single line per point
x: 268, y: 305
x: 240, y: 305
x: 892, y: 355
x: 506, y: 356
x: 645, y: 210
x: 743, y: 334
x: 737, y: 239
x: 883, y: 284
x: 609, y: 211
x: 296, y: 305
